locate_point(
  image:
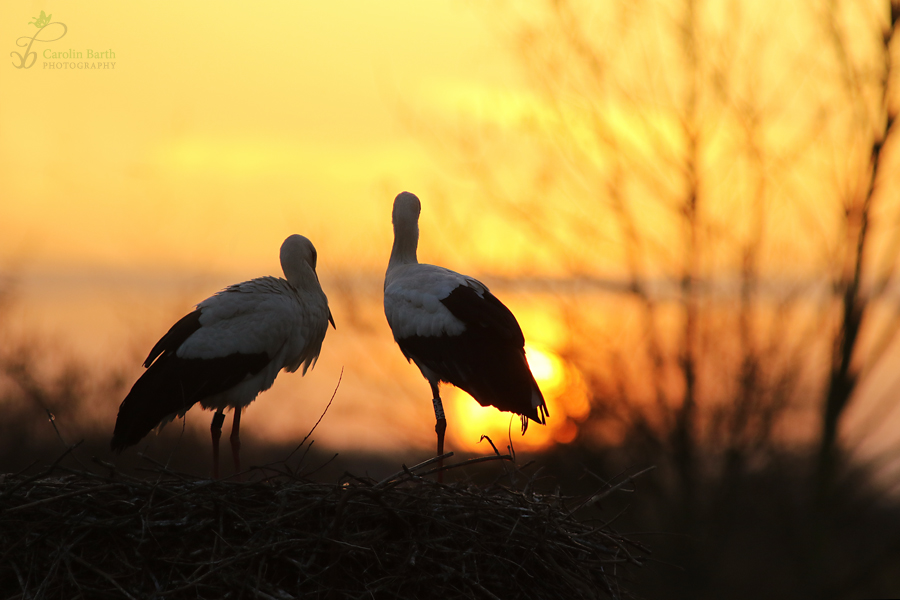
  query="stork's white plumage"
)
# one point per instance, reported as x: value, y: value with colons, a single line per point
x: 230, y: 349
x: 454, y: 329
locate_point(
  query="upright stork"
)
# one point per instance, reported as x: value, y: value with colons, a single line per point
x: 455, y: 330
x: 230, y: 349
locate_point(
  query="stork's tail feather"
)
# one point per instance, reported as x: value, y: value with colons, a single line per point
x: 172, y: 385
x: 168, y: 388
x: 148, y: 404
x: 539, y: 413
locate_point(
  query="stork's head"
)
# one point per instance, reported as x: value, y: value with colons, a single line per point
x: 406, y: 229
x: 298, y: 258
x: 406, y: 210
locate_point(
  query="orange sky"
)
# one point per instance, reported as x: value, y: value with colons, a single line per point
x: 220, y: 130
x: 225, y: 127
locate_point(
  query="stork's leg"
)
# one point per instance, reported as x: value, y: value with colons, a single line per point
x: 216, y: 430
x: 440, y: 426
x: 236, y: 441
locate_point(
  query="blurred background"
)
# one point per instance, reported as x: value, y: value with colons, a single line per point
x: 691, y: 207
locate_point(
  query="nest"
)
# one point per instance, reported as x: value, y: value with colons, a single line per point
x: 80, y: 534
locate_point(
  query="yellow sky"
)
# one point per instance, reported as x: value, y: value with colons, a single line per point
x: 224, y: 127
x: 220, y: 130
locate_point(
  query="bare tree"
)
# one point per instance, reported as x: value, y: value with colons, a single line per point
x: 726, y: 168
x: 685, y: 148
x: 866, y: 88
x: 650, y: 140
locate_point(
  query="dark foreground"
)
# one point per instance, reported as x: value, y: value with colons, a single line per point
x: 70, y: 533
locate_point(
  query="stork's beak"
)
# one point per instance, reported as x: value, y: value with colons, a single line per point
x: 330, y: 318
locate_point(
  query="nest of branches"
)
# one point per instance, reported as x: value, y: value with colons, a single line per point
x: 70, y: 534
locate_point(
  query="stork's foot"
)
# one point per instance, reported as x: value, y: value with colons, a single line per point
x: 216, y: 430
x: 440, y: 427
x: 236, y: 442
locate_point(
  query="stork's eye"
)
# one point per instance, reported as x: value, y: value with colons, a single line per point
x: 315, y: 257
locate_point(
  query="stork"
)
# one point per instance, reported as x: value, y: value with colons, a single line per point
x: 228, y: 350
x: 455, y: 330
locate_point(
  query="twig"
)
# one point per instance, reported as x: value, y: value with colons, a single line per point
x: 491, y: 442
x: 333, y: 394
x: 412, y: 469
x: 88, y: 565
x: 601, y: 495
x: 43, y: 473
x: 60, y: 496
x: 466, y: 463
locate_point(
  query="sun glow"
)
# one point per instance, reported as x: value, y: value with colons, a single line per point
x: 563, y: 389
x: 548, y: 369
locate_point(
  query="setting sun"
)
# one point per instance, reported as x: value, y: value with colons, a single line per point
x: 547, y: 368
x: 563, y: 389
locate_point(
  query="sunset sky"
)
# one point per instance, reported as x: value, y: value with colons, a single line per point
x: 222, y: 128
x: 130, y: 192
x: 219, y: 131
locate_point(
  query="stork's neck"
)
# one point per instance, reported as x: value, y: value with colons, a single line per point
x: 406, y: 239
x: 298, y: 273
